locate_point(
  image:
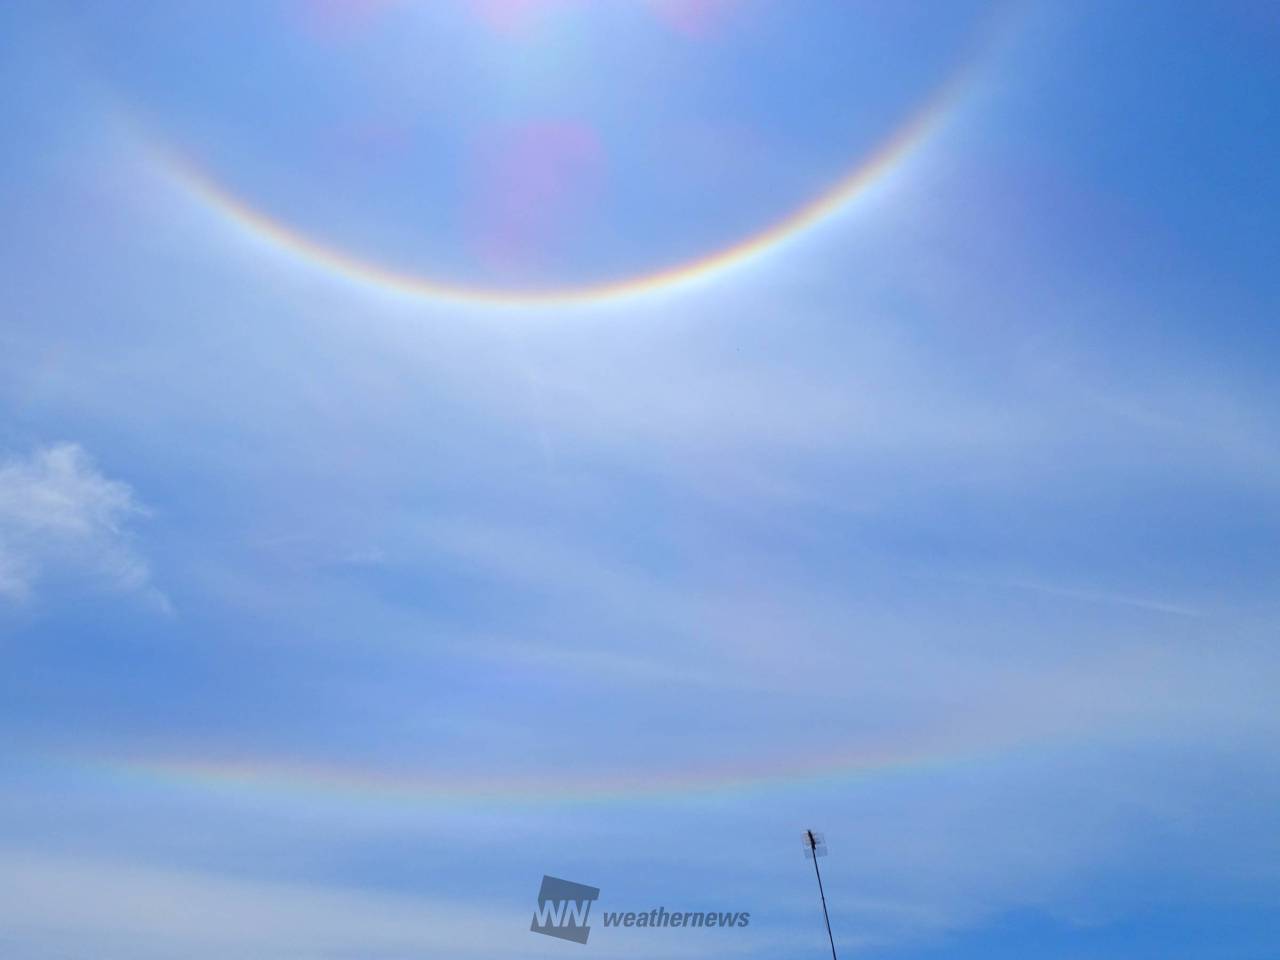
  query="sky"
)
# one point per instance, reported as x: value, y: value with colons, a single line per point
x: 448, y: 444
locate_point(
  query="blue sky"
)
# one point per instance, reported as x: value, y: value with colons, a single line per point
x: 334, y: 612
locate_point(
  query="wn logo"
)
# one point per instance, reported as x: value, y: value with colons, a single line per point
x: 563, y: 908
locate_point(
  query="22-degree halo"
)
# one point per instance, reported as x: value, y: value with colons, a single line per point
x: 873, y: 167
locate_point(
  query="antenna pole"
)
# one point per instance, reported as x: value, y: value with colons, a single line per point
x: 813, y: 846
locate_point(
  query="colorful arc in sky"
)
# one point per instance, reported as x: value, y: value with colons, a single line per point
x: 872, y: 168
x: 333, y: 782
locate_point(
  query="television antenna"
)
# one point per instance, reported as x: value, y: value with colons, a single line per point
x: 814, y: 847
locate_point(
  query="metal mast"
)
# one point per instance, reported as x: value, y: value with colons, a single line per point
x: 815, y: 847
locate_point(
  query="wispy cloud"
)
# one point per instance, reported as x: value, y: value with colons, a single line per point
x: 113, y: 910
x: 59, y: 515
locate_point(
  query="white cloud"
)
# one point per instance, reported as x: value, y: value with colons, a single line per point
x: 60, y: 515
